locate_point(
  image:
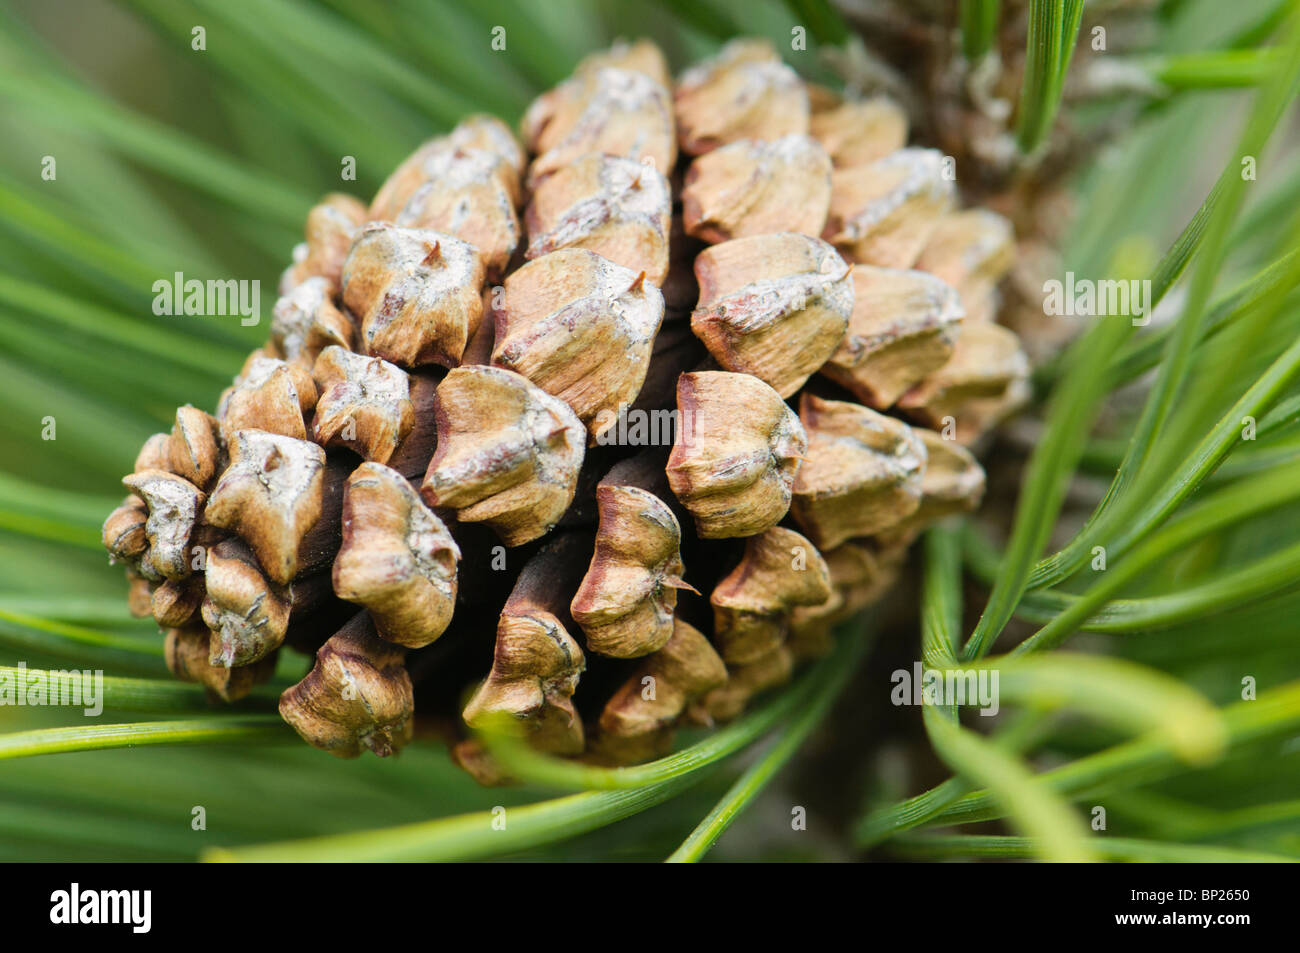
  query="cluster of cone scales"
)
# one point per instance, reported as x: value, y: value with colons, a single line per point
x: 444, y: 475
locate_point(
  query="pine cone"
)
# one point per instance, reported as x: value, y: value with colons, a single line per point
x: 683, y: 438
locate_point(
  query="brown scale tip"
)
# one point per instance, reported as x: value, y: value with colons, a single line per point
x: 780, y: 571
x: 271, y: 495
x: 271, y: 395
x: 744, y: 682
x: 174, y: 602
x: 626, y: 601
x: 774, y: 306
x: 508, y: 453
x: 410, y: 312
x: 641, y: 55
x: 175, y: 506
x: 953, y: 483
x: 469, y: 194
x: 972, y: 250
x: 858, y: 577
x: 904, y: 325
x: 537, y: 663
x: 863, y: 473
x: 481, y: 154
x: 613, y: 206
x: 247, y: 613
x: 365, y: 404
x: 745, y: 92
x: 755, y: 187
x: 123, y: 534
x: 397, y: 559
x: 356, y: 698
x: 581, y: 328
x: 306, y: 320
x: 331, y: 224
x: 194, y: 449
x: 607, y: 110
x: 884, y: 213
x: 986, y: 366
x: 472, y: 757
x: 139, y: 598
x: 858, y: 133
x: 187, y: 658
x: 637, y: 722
x: 155, y: 454
x: 734, y: 459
